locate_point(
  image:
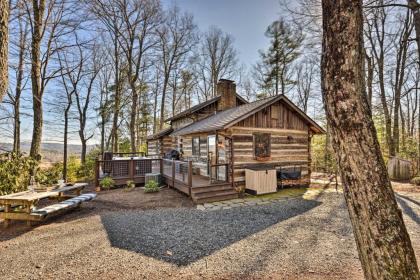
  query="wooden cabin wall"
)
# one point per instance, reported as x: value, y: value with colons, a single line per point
x: 278, y: 115
x: 152, y: 146
x: 168, y: 143
x: 289, y: 149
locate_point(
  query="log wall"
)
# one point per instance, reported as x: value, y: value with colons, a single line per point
x: 165, y: 144
x: 289, y: 149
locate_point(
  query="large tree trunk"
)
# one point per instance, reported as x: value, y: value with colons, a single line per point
x: 162, y: 104
x: 382, y: 240
x: 38, y: 13
x: 415, y: 8
x: 133, y: 116
x: 117, y: 101
x: 66, y: 128
x: 4, y: 46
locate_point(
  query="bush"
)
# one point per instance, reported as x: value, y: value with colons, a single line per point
x: 87, y: 171
x: 151, y: 186
x: 107, y: 183
x: 416, y: 181
x: 130, y: 185
x: 15, y: 171
x: 50, y: 175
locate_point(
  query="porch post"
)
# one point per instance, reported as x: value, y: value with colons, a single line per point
x: 189, y: 177
x: 173, y: 173
x: 96, y: 173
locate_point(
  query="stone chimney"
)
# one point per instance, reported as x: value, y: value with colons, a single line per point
x: 227, y: 91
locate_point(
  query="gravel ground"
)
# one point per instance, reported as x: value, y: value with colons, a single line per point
x: 293, y: 239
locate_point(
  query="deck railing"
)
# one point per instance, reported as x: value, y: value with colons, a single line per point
x: 178, y: 172
x: 219, y: 172
x: 126, y: 169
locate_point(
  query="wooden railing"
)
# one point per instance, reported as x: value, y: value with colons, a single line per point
x: 129, y: 154
x: 178, y: 173
x: 122, y: 170
x: 216, y: 174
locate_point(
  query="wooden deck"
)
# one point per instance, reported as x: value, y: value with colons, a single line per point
x: 175, y: 174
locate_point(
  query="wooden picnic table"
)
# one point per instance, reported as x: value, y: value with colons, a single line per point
x: 20, y: 206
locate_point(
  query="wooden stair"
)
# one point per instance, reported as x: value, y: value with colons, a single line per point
x: 212, y: 193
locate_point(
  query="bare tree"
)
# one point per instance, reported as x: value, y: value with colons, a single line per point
x: 110, y: 16
x: 382, y: 240
x: 177, y: 36
x: 217, y: 59
x: 305, y: 80
x: 139, y: 21
x: 84, y: 97
x: 4, y: 49
x: 15, y: 98
x: 50, y: 21
x: 71, y: 75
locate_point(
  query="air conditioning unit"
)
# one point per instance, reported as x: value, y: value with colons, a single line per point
x: 153, y: 176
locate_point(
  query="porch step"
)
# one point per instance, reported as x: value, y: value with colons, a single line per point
x: 218, y: 197
x: 212, y: 188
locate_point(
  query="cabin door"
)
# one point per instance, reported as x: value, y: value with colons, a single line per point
x: 211, y: 156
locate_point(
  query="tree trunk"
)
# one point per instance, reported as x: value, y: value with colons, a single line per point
x: 4, y: 46
x: 114, y: 130
x: 133, y: 116
x: 369, y: 80
x: 162, y: 105
x: 415, y: 9
x: 66, y: 128
x: 38, y: 13
x: 382, y: 240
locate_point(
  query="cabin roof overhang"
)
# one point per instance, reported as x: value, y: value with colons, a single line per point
x: 228, y: 118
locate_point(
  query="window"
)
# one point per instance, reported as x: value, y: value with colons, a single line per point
x: 262, y: 146
x: 196, y: 146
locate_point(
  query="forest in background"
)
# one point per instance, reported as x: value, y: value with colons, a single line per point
x: 115, y: 70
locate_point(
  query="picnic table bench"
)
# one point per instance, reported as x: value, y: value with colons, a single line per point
x: 22, y: 205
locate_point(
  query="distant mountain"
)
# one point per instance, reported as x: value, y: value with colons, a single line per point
x: 51, y: 152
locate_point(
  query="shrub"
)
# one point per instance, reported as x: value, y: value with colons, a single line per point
x: 106, y: 183
x: 130, y: 185
x: 416, y: 181
x: 15, y: 171
x: 87, y: 171
x: 51, y: 175
x: 151, y: 186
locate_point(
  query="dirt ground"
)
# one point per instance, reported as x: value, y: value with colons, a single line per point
x: 311, y: 243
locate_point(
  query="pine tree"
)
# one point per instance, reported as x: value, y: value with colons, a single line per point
x: 285, y: 43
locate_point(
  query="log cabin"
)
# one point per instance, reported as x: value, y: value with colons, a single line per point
x: 224, y: 136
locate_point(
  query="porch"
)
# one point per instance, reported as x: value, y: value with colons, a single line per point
x: 181, y: 175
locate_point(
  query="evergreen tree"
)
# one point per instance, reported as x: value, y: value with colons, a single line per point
x: 273, y: 70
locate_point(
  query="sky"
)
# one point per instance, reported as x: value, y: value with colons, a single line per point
x: 245, y: 20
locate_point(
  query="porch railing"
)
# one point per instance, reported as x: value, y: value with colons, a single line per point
x: 126, y: 169
x: 178, y: 173
x: 219, y: 172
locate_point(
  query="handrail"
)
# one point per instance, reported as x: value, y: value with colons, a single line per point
x: 226, y: 165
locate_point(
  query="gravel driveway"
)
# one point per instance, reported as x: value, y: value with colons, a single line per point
x: 183, y: 236
x: 293, y: 239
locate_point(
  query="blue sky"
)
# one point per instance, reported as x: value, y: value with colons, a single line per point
x: 245, y: 20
